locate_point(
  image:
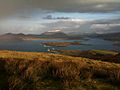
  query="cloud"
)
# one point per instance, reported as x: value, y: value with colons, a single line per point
x: 106, y: 25
x: 52, y: 17
x: 100, y: 27
x: 85, y: 26
x: 14, y: 6
x: 35, y: 25
x: 28, y: 27
x: 70, y: 25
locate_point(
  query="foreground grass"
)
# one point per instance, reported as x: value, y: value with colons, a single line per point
x: 43, y: 71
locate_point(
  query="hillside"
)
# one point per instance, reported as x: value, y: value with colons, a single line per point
x: 54, y: 34
x: 17, y: 37
x: 102, y: 55
x: 21, y: 37
x: 110, y: 36
x: 43, y: 71
x: 11, y: 37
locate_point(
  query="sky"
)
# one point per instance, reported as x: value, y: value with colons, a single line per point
x: 38, y: 16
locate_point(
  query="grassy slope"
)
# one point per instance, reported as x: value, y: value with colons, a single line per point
x: 116, y: 45
x: 43, y: 71
x: 102, y: 55
x: 78, y: 52
x: 105, y: 52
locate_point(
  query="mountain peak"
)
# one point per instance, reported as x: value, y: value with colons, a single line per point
x: 57, y: 30
x: 54, y: 34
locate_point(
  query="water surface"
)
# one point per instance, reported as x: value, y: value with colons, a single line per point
x: 36, y: 46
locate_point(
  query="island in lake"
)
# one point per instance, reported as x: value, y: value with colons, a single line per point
x: 116, y: 45
x: 60, y: 44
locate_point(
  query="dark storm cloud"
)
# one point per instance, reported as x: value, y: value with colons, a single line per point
x: 13, y: 6
x: 50, y: 17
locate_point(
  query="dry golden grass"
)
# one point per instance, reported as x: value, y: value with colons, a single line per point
x: 43, y: 71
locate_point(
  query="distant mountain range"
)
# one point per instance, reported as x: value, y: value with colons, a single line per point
x: 22, y: 37
x: 57, y: 34
x: 17, y: 37
x: 10, y: 37
x: 109, y: 36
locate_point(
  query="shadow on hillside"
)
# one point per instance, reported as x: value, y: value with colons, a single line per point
x: 3, y: 76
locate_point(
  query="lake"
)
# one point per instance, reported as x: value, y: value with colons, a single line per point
x: 36, y: 46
